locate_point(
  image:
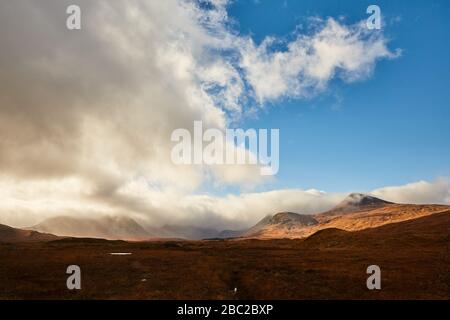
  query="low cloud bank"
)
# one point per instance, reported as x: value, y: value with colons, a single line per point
x: 25, y: 205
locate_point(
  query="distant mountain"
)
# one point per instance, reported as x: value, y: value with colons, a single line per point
x: 119, y: 227
x: 9, y: 234
x: 111, y: 228
x: 357, y: 202
x: 356, y: 212
x: 281, y: 225
x: 187, y: 232
x: 230, y: 234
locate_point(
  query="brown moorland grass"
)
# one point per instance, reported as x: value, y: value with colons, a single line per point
x: 413, y: 255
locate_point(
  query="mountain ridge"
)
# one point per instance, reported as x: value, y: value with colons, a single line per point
x: 355, y: 212
x: 106, y: 227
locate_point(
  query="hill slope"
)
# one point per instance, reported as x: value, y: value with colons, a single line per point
x: 280, y: 225
x: 9, y: 234
x: 356, y: 212
x: 433, y: 227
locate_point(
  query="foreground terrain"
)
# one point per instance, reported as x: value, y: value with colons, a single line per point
x: 413, y: 255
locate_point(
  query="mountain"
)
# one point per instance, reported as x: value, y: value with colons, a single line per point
x: 187, y: 232
x: 117, y: 227
x: 224, y: 234
x: 357, y: 202
x: 9, y: 234
x: 280, y: 225
x: 356, y: 212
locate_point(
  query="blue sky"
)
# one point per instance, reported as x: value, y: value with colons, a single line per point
x: 390, y: 129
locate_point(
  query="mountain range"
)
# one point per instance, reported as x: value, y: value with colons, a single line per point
x: 356, y: 212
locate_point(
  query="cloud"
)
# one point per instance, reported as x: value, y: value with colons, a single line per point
x: 86, y: 116
x: 310, y: 62
x: 420, y: 192
x: 29, y: 203
x: 101, y: 102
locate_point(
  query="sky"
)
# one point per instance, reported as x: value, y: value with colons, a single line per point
x: 86, y: 115
x: 389, y: 129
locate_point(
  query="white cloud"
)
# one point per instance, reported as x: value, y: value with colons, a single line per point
x: 420, y: 192
x: 26, y: 204
x: 311, y: 61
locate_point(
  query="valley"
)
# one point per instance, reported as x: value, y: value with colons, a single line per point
x: 356, y: 212
x: 284, y: 256
x: 413, y: 255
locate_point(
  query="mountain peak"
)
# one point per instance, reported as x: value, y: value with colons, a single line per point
x: 362, y: 199
x: 358, y: 202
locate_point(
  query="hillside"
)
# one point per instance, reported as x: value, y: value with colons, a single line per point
x: 356, y: 212
x: 280, y: 225
x: 9, y: 234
